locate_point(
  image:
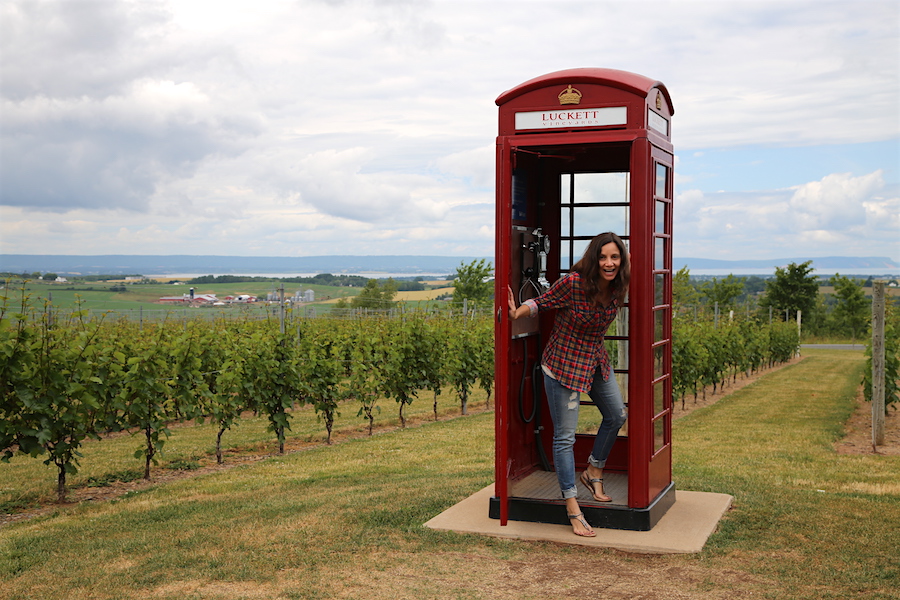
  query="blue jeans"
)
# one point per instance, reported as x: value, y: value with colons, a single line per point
x: 564, y: 403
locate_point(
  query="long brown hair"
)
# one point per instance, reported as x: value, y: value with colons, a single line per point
x: 589, y: 268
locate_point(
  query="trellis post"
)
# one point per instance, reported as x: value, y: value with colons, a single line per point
x: 877, y: 363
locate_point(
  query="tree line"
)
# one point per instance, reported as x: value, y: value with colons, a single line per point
x: 794, y: 289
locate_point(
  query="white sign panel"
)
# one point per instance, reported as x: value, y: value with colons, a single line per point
x: 572, y: 117
x: 657, y: 122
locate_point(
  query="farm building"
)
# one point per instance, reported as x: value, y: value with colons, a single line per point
x: 242, y: 298
x: 187, y: 299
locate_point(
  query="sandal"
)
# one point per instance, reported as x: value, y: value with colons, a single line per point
x: 580, y: 517
x: 590, y: 484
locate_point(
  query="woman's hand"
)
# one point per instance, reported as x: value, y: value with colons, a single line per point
x: 512, y: 303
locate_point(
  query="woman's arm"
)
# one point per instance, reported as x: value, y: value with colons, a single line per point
x: 560, y: 295
x: 514, y: 312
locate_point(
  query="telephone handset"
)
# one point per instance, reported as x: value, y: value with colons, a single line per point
x: 534, y: 271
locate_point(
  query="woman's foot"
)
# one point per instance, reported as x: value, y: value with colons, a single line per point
x: 580, y: 526
x: 592, y: 479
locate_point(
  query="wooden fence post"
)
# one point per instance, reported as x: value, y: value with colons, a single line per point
x: 281, y: 309
x: 877, y: 363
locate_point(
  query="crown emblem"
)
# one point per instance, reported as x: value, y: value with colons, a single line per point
x: 658, y: 100
x: 570, y: 96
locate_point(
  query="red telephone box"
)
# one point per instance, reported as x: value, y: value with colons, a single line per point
x: 580, y: 152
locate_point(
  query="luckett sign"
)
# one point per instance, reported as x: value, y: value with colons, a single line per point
x: 581, y: 117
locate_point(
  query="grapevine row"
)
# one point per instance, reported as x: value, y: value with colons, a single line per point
x: 66, y: 380
x: 709, y: 354
x: 80, y: 378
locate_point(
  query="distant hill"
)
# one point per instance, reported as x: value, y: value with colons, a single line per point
x: 825, y: 262
x: 113, y: 264
x: 150, y: 265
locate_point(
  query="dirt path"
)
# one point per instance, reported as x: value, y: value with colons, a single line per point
x: 858, y: 438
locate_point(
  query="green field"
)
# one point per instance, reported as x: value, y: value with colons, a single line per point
x: 98, y: 296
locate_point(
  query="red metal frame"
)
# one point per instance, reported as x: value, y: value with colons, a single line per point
x: 649, y: 472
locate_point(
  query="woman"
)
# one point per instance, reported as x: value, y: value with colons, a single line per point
x: 575, y: 360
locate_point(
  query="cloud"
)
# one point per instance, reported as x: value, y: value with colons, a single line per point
x: 90, y: 116
x: 835, y: 201
x: 330, y: 181
x: 80, y: 49
x: 335, y: 182
x: 65, y: 153
x: 331, y: 126
x: 839, y: 215
x: 789, y: 73
x: 475, y: 165
x: 883, y: 213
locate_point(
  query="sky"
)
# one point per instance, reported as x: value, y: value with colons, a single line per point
x: 367, y: 127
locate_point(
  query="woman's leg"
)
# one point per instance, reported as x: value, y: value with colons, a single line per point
x: 564, y: 412
x: 563, y: 404
x: 606, y: 396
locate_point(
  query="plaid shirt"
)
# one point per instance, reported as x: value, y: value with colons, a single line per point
x: 576, y: 347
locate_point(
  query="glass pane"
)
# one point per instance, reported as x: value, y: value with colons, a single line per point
x: 600, y: 187
x: 589, y: 418
x: 618, y: 353
x: 613, y: 328
x: 622, y: 354
x: 659, y: 397
x: 659, y: 361
x: 618, y: 348
x: 591, y: 220
x: 660, y: 217
x: 571, y: 252
x: 622, y: 379
x: 565, y: 222
x: 578, y: 248
x: 565, y: 187
x: 660, y: 254
x: 662, y: 175
x: 659, y: 432
x: 659, y: 325
x: 565, y: 256
x: 659, y: 289
x: 519, y: 194
x: 621, y: 322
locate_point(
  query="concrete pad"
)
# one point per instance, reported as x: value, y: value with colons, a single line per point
x: 684, y: 528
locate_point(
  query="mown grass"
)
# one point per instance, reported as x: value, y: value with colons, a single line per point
x: 812, y: 519
x: 830, y: 339
x: 313, y: 511
x: 346, y: 520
